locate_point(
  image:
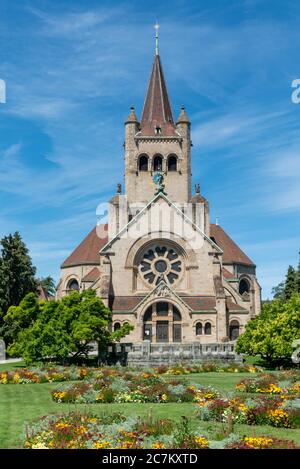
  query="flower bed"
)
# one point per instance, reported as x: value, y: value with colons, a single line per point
x: 44, y: 375
x: 262, y: 442
x: 281, y: 383
x: 259, y: 411
x: 116, y: 386
x: 208, y: 367
x: 77, y: 431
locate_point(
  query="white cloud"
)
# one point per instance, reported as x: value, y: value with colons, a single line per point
x: 12, y: 150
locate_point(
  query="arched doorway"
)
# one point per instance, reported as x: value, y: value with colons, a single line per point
x: 162, y: 323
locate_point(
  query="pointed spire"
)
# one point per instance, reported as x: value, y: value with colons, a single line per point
x: 132, y: 116
x: 157, y: 117
x: 183, y: 117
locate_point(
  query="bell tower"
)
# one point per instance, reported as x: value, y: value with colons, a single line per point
x: 157, y: 143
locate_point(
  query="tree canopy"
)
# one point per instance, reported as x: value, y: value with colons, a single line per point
x: 17, y: 274
x: 60, y: 329
x: 272, y: 333
x: 290, y: 285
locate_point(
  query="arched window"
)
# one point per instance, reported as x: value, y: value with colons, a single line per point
x: 162, y: 308
x: 148, y: 314
x: 117, y: 326
x: 198, y: 328
x: 207, y: 328
x: 143, y: 163
x: 244, y: 286
x: 234, y: 330
x: 157, y: 163
x: 176, y: 314
x: 172, y: 163
x: 73, y: 285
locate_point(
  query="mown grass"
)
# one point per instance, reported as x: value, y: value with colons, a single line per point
x: 23, y: 403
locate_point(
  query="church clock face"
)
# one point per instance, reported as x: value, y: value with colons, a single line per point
x: 160, y: 262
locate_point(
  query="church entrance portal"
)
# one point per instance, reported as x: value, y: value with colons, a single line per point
x: 162, y: 323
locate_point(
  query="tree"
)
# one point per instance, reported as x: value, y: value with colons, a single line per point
x: 16, y: 271
x: 290, y: 283
x: 272, y: 333
x: 19, y: 317
x: 278, y: 292
x: 62, y: 329
x: 48, y: 284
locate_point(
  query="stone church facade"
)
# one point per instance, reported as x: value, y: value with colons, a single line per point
x: 159, y: 263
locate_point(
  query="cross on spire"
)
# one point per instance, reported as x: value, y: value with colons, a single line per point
x: 156, y: 27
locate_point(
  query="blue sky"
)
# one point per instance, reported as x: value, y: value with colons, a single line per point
x: 72, y: 70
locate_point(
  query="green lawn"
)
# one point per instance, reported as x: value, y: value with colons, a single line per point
x: 22, y: 403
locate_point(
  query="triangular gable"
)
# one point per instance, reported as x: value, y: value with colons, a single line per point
x: 162, y: 290
x: 139, y: 215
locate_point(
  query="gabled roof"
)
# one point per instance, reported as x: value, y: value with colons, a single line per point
x: 232, y: 254
x: 157, y: 111
x: 227, y: 274
x: 160, y: 195
x: 92, y: 275
x: 87, y: 252
x: 233, y: 307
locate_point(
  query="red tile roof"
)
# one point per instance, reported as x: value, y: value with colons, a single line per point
x: 125, y: 303
x: 198, y: 303
x: 227, y: 274
x: 232, y: 253
x: 87, y: 252
x: 92, y: 275
x: 157, y: 109
x: 234, y: 307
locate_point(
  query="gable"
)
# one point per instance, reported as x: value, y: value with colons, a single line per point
x: 162, y: 216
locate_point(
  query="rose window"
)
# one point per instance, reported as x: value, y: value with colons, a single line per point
x: 160, y: 262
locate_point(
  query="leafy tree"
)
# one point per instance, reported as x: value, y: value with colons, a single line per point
x: 272, y: 333
x: 290, y: 283
x: 48, y: 284
x: 16, y: 271
x: 62, y: 329
x: 19, y: 317
x: 278, y: 292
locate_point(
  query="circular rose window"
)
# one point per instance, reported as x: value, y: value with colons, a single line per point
x: 160, y: 262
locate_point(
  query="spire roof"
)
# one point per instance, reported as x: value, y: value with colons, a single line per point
x: 157, y: 118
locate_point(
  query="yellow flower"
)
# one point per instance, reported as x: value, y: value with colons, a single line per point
x: 201, y: 441
x: 164, y: 397
x: 101, y: 444
x: 242, y: 407
x: 62, y: 425
x: 258, y: 442
x: 16, y: 378
x: 158, y: 445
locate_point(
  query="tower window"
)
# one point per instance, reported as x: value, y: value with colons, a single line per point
x: 157, y: 163
x: 198, y: 328
x: 244, y: 286
x: 207, y: 328
x: 117, y: 326
x: 157, y: 130
x: 143, y: 163
x: 172, y: 163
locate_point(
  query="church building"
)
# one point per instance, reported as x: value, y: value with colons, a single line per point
x: 159, y: 263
